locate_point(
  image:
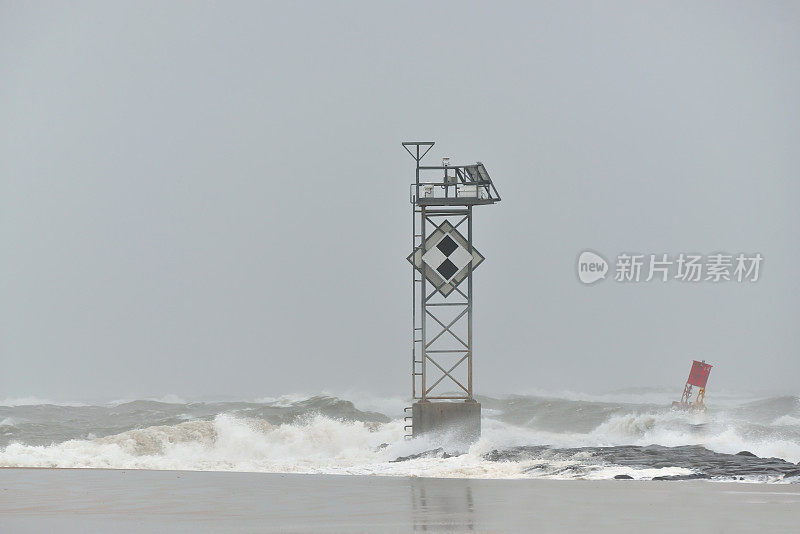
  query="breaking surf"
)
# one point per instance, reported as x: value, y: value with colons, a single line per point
x: 625, y: 435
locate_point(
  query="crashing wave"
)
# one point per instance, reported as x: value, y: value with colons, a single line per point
x: 327, y: 434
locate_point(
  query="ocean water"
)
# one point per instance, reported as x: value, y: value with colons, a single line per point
x: 565, y: 436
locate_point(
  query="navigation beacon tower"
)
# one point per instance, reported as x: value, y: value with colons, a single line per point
x: 443, y: 261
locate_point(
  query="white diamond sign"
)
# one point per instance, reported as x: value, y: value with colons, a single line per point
x: 445, y: 258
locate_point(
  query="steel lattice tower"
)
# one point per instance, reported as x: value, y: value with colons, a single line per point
x: 443, y: 259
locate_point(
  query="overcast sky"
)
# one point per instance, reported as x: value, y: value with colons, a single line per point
x: 210, y: 198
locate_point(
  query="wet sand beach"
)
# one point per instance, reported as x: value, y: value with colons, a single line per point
x: 122, y: 501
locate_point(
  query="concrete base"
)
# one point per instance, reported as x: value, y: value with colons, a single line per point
x: 462, y: 419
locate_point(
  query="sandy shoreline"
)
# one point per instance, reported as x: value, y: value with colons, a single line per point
x: 75, y: 500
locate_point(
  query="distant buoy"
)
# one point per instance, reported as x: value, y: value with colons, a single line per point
x: 698, y: 376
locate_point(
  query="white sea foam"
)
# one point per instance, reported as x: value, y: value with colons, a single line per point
x: 239, y: 440
x: 315, y: 445
x: 318, y: 444
x: 282, y: 401
x: 169, y: 398
x: 787, y: 420
x: 35, y: 401
x: 653, y: 395
x: 390, y: 406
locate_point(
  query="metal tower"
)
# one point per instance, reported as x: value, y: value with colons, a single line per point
x: 443, y: 258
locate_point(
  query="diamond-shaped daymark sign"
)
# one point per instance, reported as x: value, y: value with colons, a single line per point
x: 444, y: 258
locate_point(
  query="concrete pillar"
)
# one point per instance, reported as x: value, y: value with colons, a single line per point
x: 461, y: 419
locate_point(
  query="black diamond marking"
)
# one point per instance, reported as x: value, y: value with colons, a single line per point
x: 447, y: 269
x: 447, y: 245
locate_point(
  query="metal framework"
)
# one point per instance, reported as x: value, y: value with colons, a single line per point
x: 698, y: 376
x: 442, y: 348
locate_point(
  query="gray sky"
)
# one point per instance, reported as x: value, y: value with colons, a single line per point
x: 187, y: 188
